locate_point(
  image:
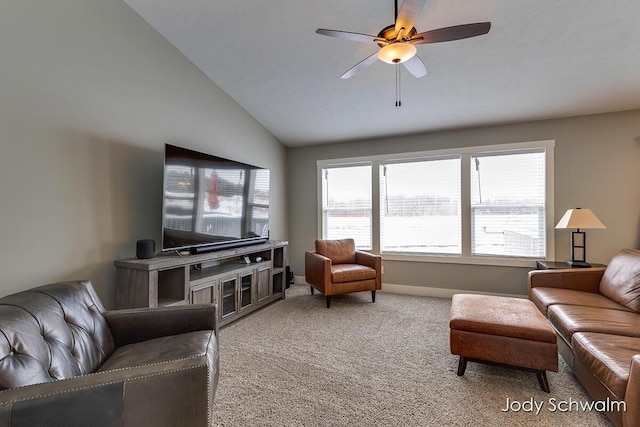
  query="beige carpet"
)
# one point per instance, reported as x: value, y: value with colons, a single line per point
x: 297, y: 363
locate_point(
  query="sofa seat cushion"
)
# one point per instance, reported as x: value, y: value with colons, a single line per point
x: 164, y: 349
x: 607, y: 357
x: 569, y: 319
x: 544, y: 297
x: 341, y: 273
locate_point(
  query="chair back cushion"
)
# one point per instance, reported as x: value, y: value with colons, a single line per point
x: 621, y: 279
x: 338, y: 251
x: 52, y: 332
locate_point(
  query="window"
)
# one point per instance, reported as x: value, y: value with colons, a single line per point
x: 479, y: 205
x: 346, y: 204
x: 420, y: 206
x: 508, y: 204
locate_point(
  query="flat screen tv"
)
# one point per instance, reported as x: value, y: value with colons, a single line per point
x: 212, y: 203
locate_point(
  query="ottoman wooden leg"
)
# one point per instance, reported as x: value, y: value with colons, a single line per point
x: 542, y: 379
x: 462, y: 366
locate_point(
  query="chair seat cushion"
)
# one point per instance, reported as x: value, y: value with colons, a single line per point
x: 341, y: 273
x: 544, y: 297
x: 607, y: 357
x: 164, y: 349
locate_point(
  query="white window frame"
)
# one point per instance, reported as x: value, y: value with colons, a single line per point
x: 465, y: 154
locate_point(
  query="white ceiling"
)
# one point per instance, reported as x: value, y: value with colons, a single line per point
x: 541, y: 59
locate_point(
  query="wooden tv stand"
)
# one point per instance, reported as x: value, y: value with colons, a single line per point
x: 221, y: 277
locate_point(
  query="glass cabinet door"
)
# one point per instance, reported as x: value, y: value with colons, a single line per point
x: 246, y: 280
x: 228, y: 300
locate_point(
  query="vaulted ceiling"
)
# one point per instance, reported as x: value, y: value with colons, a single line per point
x: 541, y: 59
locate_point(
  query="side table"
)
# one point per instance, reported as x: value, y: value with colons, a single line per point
x: 555, y: 265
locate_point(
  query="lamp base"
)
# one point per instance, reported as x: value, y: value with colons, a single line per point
x: 578, y: 264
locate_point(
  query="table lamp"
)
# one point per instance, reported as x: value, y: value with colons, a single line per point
x: 579, y: 219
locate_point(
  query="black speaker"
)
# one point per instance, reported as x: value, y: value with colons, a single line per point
x: 289, y: 276
x: 145, y: 248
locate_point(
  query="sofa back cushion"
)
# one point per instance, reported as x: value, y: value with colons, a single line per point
x: 621, y: 279
x: 51, y: 333
x: 338, y: 251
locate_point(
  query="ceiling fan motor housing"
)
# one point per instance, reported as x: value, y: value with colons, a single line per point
x: 389, y: 33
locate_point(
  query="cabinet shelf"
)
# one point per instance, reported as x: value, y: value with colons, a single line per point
x: 206, y: 274
x: 168, y: 302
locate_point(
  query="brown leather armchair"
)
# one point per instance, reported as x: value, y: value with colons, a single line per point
x: 336, y: 268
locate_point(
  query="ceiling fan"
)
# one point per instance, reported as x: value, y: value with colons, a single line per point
x: 398, y: 41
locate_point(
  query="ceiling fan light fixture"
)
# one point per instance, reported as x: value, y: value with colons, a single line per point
x: 397, y: 53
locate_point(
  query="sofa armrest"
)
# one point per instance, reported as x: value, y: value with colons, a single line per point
x: 141, y: 324
x: 631, y: 417
x: 317, y: 270
x: 161, y: 394
x: 586, y: 279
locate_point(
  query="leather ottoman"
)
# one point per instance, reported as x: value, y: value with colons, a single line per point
x: 503, y: 331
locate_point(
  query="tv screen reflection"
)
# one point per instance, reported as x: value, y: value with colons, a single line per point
x: 210, y: 203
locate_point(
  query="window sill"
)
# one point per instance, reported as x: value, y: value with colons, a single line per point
x: 457, y: 259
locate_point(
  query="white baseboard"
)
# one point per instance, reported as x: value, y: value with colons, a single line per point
x: 422, y: 291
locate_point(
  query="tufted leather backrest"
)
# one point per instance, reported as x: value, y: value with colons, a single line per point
x: 341, y: 251
x: 621, y: 279
x: 52, y: 332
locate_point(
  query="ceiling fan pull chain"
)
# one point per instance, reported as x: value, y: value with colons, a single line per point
x: 398, y: 87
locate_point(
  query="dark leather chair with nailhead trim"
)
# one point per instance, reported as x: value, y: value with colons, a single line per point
x: 65, y: 361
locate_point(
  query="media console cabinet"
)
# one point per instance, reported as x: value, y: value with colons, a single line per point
x: 239, y: 280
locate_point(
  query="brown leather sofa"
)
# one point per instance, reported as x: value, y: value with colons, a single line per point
x: 66, y: 361
x: 596, y: 313
x: 337, y: 268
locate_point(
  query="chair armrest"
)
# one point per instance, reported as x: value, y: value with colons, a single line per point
x: 317, y: 270
x: 141, y: 324
x: 631, y: 417
x: 370, y: 260
x: 159, y: 394
x: 586, y: 279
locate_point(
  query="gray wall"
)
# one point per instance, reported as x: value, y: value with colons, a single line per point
x: 89, y: 93
x: 597, y: 165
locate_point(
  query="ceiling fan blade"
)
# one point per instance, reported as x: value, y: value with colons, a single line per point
x: 415, y: 66
x: 347, y: 35
x: 360, y: 66
x: 408, y: 13
x: 456, y: 32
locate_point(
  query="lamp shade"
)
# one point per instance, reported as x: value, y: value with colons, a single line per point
x: 397, y: 53
x: 579, y: 218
